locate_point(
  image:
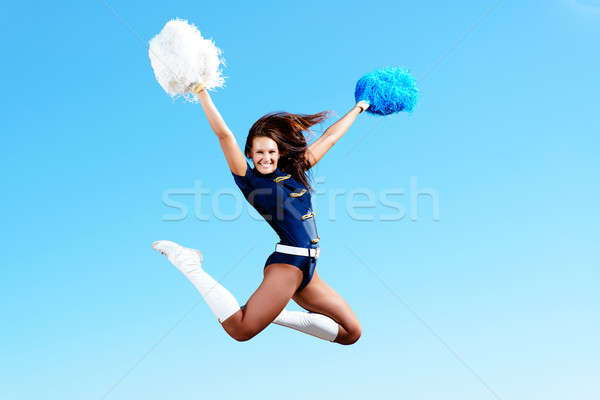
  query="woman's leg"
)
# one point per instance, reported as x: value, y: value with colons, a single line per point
x: 266, y: 305
x: 277, y: 288
x: 319, y: 297
x: 279, y: 284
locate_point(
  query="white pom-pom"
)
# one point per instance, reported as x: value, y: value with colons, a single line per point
x: 181, y: 57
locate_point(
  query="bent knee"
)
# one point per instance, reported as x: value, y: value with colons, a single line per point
x: 243, y: 334
x: 353, y: 334
x: 354, y: 337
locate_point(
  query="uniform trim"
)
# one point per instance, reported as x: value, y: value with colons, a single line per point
x: 282, y: 178
x: 298, y: 194
x: 307, y: 216
x: 314, y: 241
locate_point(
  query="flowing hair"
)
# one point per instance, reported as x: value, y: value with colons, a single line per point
x: 287, y: 130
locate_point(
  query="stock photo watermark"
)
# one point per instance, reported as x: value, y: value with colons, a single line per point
x: 359, y: 204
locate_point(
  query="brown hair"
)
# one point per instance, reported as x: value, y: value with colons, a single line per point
x: 287, y: 130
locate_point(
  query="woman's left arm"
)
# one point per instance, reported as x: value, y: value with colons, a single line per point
x: 317, y: 150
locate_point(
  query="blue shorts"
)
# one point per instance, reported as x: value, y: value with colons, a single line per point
x: 306, y: 264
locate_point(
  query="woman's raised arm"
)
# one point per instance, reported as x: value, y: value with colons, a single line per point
x: 233, y: 154
x: 319, y: 147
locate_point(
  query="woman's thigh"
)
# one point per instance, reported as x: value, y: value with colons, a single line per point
x: 320, y: 298
x: 279, y: 284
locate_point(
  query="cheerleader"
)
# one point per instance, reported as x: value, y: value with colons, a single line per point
x: 278, y: 188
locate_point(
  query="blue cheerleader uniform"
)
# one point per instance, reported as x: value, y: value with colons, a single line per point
x: 286, y: 205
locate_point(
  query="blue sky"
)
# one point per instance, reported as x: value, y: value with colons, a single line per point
x: 505, y: 135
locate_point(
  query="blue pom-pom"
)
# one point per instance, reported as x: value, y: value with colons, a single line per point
x: 387, y: 90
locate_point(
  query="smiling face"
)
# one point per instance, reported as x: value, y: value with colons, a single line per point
x: 264, y: 154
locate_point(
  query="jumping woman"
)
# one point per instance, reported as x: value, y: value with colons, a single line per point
x: 278, y: 188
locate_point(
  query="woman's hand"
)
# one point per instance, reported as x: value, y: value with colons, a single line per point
x: 196, y: 88
x: 363, y: 105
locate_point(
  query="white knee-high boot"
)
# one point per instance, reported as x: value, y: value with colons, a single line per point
x: 189, y: 261
x: 314, y: 324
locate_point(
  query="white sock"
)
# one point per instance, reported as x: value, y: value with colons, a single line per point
x: 314, y: 324
x: 189, y: 261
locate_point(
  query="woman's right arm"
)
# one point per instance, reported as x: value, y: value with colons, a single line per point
x: 233, y: 154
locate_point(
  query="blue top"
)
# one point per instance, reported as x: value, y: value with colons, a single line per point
x: 284, y: 203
